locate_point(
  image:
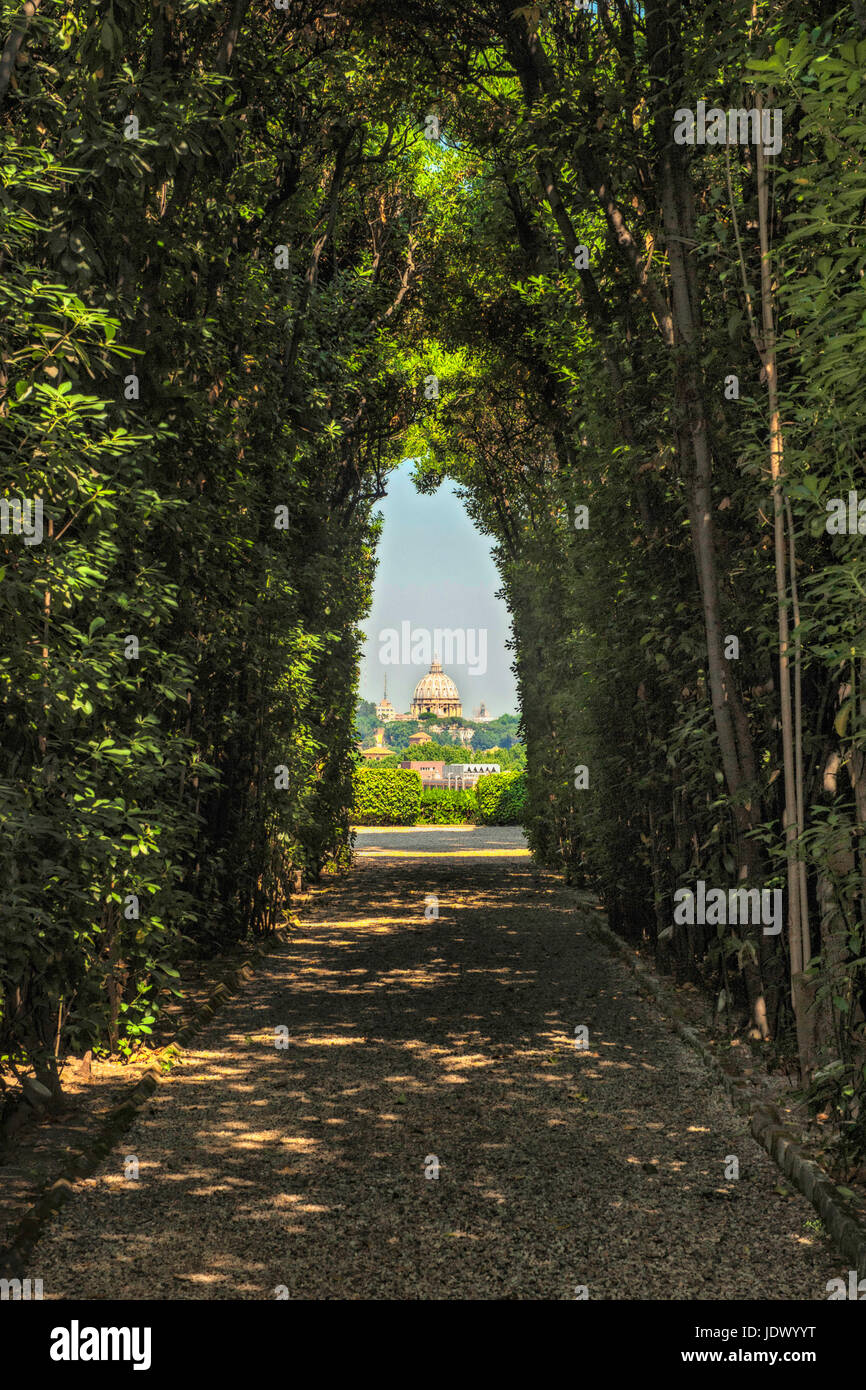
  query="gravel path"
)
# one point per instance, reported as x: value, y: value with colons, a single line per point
x: 451, y: 1037
x: 425, y: 840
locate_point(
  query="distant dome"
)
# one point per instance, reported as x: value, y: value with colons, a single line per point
x: 436, y: 693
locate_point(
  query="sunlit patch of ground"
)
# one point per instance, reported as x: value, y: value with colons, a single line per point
x: 445, y: 1046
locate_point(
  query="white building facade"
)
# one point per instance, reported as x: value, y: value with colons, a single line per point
x: 461, y: 775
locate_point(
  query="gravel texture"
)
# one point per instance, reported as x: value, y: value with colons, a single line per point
x: 411, y: 1038
x: 422, y: 841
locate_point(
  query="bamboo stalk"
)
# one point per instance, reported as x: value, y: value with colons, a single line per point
x: 795, y: 931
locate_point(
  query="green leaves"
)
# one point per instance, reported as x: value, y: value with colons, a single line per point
x: 149, y: 776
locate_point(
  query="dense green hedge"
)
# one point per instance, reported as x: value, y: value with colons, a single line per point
x: 178, y: 717
x: 393, y: 796
x: 447, y: 806
x: 386, y: 796
x: 501, y: 798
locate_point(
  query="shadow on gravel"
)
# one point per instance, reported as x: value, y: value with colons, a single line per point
x: 450, y: 1041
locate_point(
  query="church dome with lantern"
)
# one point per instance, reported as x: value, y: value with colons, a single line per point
x: 436, y: 693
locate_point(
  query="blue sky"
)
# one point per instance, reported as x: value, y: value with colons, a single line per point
x: 435, y: 571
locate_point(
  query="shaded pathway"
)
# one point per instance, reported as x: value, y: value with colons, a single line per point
x: 451, y: 1037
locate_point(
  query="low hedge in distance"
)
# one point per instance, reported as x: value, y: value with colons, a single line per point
x: 394, y: 796
x: 501, y: 798
x: 446, y: 806
x: 386, y: 796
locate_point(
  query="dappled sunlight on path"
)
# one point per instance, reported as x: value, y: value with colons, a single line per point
x: 418, y: 1041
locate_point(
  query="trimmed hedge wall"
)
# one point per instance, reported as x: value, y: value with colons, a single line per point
x: 386, y: 796
x: 501, y: 798
x: 394, y: 796
x: 444, y: 806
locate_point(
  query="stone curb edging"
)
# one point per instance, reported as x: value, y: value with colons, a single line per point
x: 766, y: 1123
x: 116, y: 1122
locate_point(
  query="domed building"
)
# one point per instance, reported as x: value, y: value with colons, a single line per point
x: 436, y: 693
